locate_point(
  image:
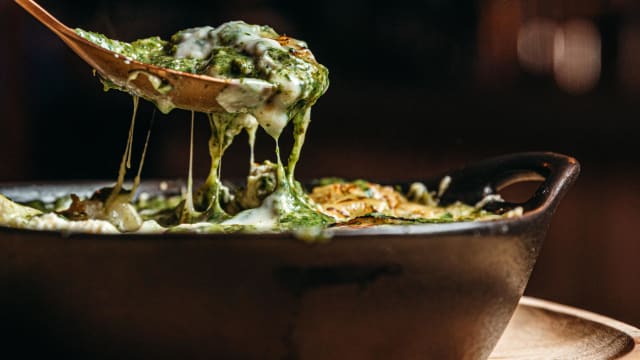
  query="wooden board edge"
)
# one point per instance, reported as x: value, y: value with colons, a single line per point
x: 632, y: 331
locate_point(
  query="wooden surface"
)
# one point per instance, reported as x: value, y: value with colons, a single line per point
x: 545, y: 330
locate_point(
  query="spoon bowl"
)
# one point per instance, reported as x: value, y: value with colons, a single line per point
x: 166, y: 88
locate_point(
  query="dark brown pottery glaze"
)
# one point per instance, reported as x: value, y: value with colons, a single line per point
x: 444, y: 291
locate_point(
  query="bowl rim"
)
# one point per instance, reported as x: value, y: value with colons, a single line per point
x: 558, y: 173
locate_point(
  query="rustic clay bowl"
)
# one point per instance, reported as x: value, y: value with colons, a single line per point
x: 441, y: 291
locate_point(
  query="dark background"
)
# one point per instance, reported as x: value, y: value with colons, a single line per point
x: 416, y: 88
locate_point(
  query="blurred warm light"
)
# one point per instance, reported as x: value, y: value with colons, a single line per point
x: 536, y: 45
x: 498, y: 24
x: 629, y: 57
x: 577, y: 56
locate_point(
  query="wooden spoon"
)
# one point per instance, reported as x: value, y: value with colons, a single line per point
x: 178, y: 89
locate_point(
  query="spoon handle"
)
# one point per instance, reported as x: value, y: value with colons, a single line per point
x: 189, y: 91
x: 44, y: 17
x: 66, y: 34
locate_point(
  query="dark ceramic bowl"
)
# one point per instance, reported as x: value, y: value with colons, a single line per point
x: 402, y: 292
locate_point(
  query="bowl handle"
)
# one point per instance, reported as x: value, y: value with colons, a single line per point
x: 473, y: 183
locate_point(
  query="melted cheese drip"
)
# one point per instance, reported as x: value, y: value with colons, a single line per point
x: 189, y: 200
x: 224, y: 128
x: 136, y: 180
x: 125, y: 163
x: 189, y: 212
x: 118, y: 209
x: 300, y: 126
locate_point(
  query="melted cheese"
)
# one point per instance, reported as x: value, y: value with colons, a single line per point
x: 273, y: 80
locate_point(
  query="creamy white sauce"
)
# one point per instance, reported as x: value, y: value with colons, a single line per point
x: 14, y: 213
x: 262, y: 218
x: 151, y: 227
x: 19, y: 216
x: 244, y: 95
x: 53, y: 222
x: 250, y: 94
x: 194, y: 44
x: 162, y: 100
